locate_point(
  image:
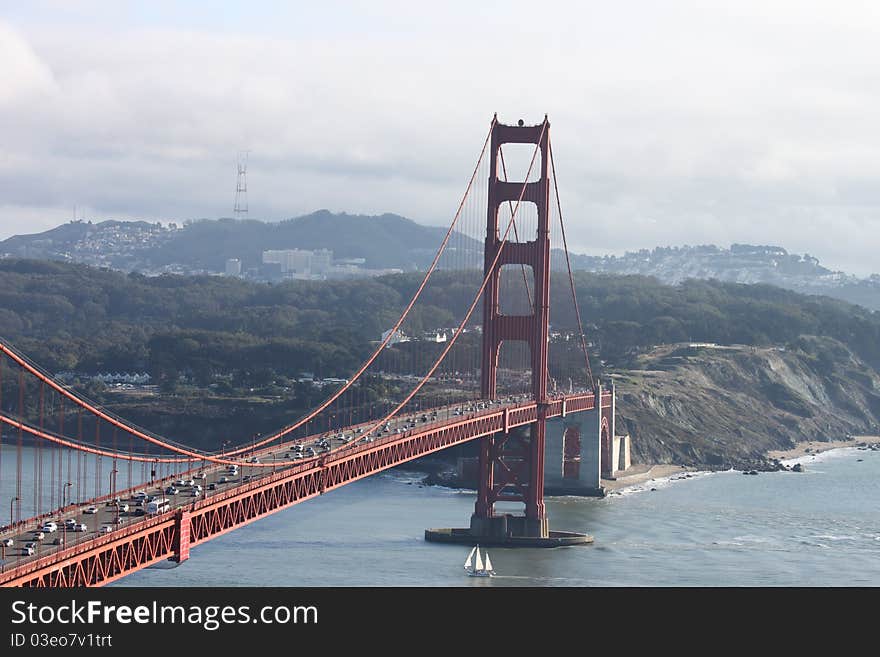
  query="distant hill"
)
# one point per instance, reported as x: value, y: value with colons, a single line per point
x: 741, y: 263
x: 389, y: 241
x: 383, y: 241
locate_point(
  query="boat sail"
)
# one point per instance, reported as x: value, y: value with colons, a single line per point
x: 476, y: 568
x: 469, y: 562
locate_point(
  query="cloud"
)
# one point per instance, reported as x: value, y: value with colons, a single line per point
x: 677, y: 123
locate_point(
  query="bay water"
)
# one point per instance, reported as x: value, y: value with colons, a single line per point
x: 816, y: 528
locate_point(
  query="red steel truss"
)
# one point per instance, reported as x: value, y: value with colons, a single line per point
x: 110, y: 557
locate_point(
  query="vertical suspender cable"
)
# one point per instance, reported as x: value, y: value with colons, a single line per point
x: 20, y: 436
x: 570, y: 275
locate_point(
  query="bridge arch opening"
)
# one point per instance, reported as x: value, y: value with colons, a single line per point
x: 514, y: 368
x: 605, y: 442
x: 516, y: 292
x: 514, y: 159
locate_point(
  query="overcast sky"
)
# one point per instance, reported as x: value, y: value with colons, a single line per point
x: 675, y: 122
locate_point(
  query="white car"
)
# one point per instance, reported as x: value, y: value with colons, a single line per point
x: 49, y: 528
x: 105, y: 529
x: 39, y: 536
x: 91, y: 510
x: 7, y: 542
x: 27, y: 551
x: 224, y: 480
x: 80, y: 527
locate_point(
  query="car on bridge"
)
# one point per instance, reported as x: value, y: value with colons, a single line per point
x: 80, y: 527
x: 7, y: 542
x: 49, y: 528
x: 39, y: 535
x: 91, y: 510
x: 27, y: 551
x: 162, y: 505
x: 105, y: 529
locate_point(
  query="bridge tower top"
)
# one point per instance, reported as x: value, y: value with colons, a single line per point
x: 533, y: 329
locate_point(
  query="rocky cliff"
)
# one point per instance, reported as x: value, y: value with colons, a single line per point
x: 718, y: 407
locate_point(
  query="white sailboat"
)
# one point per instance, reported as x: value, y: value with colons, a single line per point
x: 476, y: 568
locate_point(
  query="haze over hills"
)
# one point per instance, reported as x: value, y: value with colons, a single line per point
x: 390, y: 241
x: 203, y: 246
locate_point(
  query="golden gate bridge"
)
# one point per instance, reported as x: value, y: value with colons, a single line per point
x: 93, y: 497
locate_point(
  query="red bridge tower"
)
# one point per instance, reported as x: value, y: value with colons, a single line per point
x: 513, y: 471
x: 511, y: 463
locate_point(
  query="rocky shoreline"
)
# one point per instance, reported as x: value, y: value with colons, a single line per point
x: 440, y: 472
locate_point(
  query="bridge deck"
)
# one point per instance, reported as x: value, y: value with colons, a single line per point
x: 94, y: 559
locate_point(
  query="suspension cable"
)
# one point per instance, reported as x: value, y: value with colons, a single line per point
x: 577, y: 309
x: 217, y: 457
x: 84, y: 447
x: 470, y: 311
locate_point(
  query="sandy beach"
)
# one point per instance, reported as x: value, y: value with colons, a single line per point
x: 640, y: 473
x: 815, y: 447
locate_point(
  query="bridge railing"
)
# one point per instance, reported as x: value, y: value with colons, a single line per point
x: 519, y: 414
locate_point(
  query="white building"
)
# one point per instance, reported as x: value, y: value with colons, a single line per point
x: 300, y: 263
x: 233, y: 267
x: 396, y: 338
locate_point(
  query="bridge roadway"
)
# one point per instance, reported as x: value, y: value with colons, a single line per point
x: 116, y: 542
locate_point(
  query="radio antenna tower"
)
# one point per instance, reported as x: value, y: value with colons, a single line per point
x: 241, y: 202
